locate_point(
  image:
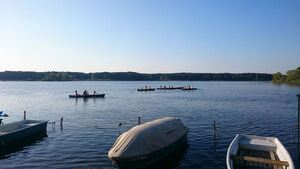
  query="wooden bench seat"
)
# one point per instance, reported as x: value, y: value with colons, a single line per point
x: 260, y: 160
x: 2, y: 133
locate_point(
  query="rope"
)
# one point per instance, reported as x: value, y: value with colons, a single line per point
x: 128, y: 122
x: 53, y: 123
x: 116, y: 124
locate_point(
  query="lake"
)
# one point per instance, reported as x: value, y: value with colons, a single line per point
x: 91, y: 125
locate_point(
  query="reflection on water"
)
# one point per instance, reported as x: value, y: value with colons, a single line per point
x: 21, y: 145
x: 94, y: 100
x: 173, y: 159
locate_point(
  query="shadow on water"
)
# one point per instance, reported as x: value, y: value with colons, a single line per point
x: 172, y: 160
x: 19, y: 146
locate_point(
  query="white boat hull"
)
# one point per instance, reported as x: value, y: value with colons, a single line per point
x: 258, y: 143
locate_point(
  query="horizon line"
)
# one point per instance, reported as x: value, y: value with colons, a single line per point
x: 134, y: 72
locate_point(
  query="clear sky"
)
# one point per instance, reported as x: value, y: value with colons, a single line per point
x: 150, y: 35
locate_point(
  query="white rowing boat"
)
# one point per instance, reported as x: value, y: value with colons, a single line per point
x: 246, y: 151
x: 148, y: 143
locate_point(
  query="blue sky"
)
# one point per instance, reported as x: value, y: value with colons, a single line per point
x: 150, y: 35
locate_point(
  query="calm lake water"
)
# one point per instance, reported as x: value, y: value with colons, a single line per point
x: 91, y: 126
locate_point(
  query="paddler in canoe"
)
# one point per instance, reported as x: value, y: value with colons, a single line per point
x: 85, y: 92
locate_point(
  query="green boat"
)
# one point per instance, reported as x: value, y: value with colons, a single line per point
x: 146, y: 144
x: 13, y: 132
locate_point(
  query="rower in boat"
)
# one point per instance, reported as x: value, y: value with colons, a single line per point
x: 85, y: 92
x: 76, y: 93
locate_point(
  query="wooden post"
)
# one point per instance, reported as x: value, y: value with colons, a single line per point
x: 24, y: 115
x: 215, y: 130
x: 61, y: 123
x: 298, y: 124
x: 139, y: 120
x: 215, y: 134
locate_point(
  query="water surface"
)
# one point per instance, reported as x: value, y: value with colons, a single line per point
x: 91, y: 125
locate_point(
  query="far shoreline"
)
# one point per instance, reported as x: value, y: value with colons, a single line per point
x: 131, y: 76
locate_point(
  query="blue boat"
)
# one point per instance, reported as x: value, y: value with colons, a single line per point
x: 13, y: 132
x: 87, y: 96
x: 146, y: 144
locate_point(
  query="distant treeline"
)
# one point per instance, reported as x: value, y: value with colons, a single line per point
x: 131, y: 76
x: 291, y: 77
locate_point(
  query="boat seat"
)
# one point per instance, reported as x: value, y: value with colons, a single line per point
x: 2, y: 133
x: 260, y: 160
x: 255, y: 144
x: 273, y: 157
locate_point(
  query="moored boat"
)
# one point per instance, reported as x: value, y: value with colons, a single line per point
x: 87, y: 96
x: 145, y: 144
x: 10, y: 133
x: 189, y: 88
x: 246, y: 151
x: 169, y: 88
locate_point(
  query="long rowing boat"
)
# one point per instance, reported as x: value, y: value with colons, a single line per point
x: 169, y: 88
x: 189, y: 88
x: 87, y: 96
x: 253, y: 152
x: 142, y: 90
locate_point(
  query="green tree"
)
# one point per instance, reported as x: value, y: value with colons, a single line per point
x: 291, y: 77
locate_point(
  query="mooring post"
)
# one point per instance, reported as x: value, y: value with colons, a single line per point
x: 298, y: 124
x: 139, y: 120
x: 24, y: 115
x: 215, y: 130
x: 61, y: 123
x: 215, y: 134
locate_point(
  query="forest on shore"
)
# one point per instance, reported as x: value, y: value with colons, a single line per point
x: 291, y: 77
x: 130, y: 76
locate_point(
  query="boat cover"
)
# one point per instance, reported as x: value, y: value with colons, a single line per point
x: 149, y: 137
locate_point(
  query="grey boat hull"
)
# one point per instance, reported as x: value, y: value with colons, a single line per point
x: 167, y: 88
x: 149, y: 159
x: 189, y: 89
x: 9, y: 137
